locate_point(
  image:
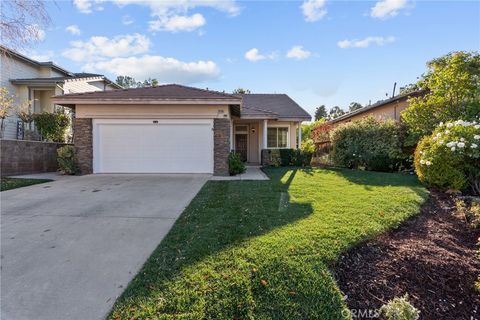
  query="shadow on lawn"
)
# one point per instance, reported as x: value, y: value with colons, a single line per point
x: 223, y: 214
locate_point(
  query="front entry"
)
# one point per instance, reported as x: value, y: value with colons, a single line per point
x: 241, y: 143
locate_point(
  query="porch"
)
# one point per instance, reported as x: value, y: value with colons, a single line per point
x: 250, y: 136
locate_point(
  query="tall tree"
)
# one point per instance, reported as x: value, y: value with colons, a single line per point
x: 321, y: 113
x: 336, y: 112
x: 452, y: 85
x: 126, y: 82
x: 22, y: 22
x: 241, y: 91
x: 354, y: 106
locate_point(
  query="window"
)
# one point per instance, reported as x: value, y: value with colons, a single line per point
x: 277, y: 137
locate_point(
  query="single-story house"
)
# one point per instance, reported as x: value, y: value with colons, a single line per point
x: 33, y: 83
x: 382, y: 110
x: 178, y: 129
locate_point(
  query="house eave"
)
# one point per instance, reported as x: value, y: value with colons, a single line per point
x: 66, y: 101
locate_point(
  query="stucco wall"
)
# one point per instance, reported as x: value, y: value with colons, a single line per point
x: 388, y: 111
x: 152, y: 111
x: 24, y: 157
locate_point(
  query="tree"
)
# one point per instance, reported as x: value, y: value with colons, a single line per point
x: 321, y: 113
x: 130, y: 82
x: 241, y: 91
x: 126, y: 82
x: 354, y: 106
x: 409, y: 88
x: 6, y: 105
x: 452, y: 86
x: 336, y: 112
x: 22, y: 22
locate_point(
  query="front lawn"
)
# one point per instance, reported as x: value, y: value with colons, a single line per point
x: 13, y: 183
x: 261, y: 249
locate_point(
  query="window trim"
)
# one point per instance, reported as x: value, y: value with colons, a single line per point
x: 288, y: 135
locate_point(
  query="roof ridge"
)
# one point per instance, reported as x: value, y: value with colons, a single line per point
x: 204, y: 90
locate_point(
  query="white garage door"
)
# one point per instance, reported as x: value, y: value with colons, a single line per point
x: 152, y: 146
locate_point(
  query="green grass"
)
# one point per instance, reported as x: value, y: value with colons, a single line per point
x: 13, y: 183
x: 262, y: 250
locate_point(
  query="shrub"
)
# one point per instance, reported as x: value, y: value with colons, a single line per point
x: 373, y: 144
x: 235, y: 164
x: 450, y: 157
x: 289, y: 157
x: 52, y: 126
x: 400, y: 309
x: 66, y: 160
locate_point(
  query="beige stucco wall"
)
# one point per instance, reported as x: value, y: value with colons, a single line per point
x: 388, y: 111
x: 152, y: 111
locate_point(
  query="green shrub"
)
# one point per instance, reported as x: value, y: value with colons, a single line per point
x: 289, y: 157
x: 66, y: 160
x: 235, y: 164
x: 52, y: 126
x: 369, y: 143
x: 450, y: 157
x: 400, y: 309
x: 308, y: 146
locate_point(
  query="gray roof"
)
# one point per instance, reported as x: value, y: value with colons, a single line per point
x: 378, y: 104
x: 167, y: 92
x: 278, y: 106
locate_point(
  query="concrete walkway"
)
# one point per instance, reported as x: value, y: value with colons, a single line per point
x: 252, y: 173
x: 44, y: 175
x: 70, y: 247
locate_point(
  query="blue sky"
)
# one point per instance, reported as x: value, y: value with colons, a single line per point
x: 317, y: 51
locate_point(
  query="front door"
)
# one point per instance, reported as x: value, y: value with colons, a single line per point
x: 241, y: 143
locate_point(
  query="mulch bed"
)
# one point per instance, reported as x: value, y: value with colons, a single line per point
x: 431, y: 257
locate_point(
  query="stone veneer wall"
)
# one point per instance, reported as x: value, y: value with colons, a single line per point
x: 25, y: 157
x: 221, y: 146
x: 266, y: 157
x: 83, y: 144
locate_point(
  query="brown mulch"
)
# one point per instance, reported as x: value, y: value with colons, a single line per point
x: 432, y: 257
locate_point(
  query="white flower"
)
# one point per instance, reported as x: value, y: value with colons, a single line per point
x: 422, y: 161
x: 453, y: 148
x: 461, y: 139
x: 421, y: 152
x: 451, y: 144
x: 474, y: 146
x: 476, y: 137
x: 447, y: 131
x: 440, y: 142
x: 477, y: 126
x: 461, y: 145
x: 441, y: 124
x: 439, y: 135
x: 428, y: 163
x: 449, y: 125
x: 354, y: 154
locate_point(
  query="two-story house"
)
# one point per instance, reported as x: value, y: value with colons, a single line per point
x: 36, y: 82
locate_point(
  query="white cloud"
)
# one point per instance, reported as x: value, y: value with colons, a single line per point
x: 84, y: 6
x: 313, y: 10
x: 254, y: 55
x: 364, y: 43
x: 165, y: 70
x: 170, y: 16
x: 98, y: 47
x: 178, y: 23
x: 387, y: 8
x: 73, y: 29
x: 297, y: 52
x: 127, y: 20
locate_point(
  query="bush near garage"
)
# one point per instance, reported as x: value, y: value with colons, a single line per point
x: 368, y: 143
x: 66, y: 160
x: 235, y: 164
x: 450, y: 157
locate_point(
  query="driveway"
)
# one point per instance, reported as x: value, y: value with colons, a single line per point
x: 70, y: 247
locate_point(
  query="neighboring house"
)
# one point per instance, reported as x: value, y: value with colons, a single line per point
x: 36, y: 82
x: 178, y: 129
x: 382, y: 110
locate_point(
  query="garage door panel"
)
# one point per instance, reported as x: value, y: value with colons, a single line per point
x: 147, y: 147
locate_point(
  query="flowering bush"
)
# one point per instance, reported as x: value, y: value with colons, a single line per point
x: 450, y: 157
x: 373, y: 144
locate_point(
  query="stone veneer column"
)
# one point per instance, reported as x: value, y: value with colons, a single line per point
x: 221, y: 146
x: 83, y: 144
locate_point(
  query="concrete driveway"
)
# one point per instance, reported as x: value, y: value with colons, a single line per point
x: 70, y: 247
